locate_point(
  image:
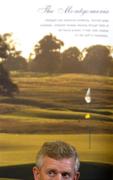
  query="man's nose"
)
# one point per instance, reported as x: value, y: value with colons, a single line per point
x: 59, y: 177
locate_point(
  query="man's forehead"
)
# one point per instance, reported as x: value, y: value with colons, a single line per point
x: 47, y: 158
x: 61, y: 163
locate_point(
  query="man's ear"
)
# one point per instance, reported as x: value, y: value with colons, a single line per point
x: 77, y: 176
x: 36, y: 173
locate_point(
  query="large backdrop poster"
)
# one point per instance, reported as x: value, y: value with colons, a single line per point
x: 56, y: 83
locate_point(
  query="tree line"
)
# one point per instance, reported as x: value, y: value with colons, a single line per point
x: 48, y: 57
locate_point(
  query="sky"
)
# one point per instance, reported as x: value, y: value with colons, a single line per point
x: 77, y: 23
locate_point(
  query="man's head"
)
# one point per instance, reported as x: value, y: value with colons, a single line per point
x: 57, y: 161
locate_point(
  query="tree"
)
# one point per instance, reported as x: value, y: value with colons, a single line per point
x: 7, y: 87
x: 7, y: 46
x: 47, y: 54
x: 3, y: 48
x: 97, y: 60
x: 11, y: 58
x: 15, y: 63
x: 71, y: 60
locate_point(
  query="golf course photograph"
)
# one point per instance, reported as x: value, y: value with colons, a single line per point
x: 54, y: 95
x: 56, y: 84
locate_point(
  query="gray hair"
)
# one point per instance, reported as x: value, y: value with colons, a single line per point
x: 57, y: 150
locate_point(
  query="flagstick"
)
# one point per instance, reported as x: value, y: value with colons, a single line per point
x: 89, y: 138
x: 89, y: 132
x: 88, y: 101
x: 89, y: 129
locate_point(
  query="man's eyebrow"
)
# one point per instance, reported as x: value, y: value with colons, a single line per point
x: 51, y: 169
x: 64, y: 173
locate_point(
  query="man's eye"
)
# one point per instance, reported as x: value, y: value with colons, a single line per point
x: 66, y: 175
x: 51, y: 173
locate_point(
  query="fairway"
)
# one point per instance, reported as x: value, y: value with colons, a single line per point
x: 22, y: 149
x: 55, y: 104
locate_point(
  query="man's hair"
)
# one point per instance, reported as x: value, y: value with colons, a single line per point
x: 57, y: 150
